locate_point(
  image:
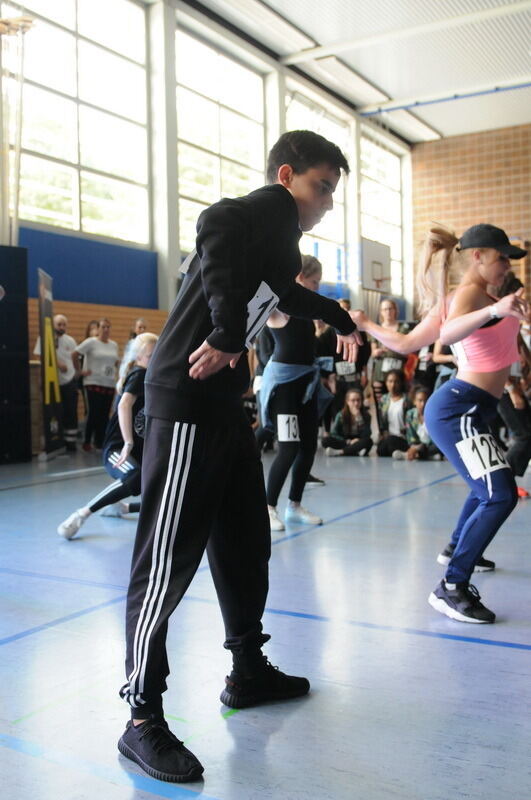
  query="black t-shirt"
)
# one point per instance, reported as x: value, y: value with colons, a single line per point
x: 134, y: 384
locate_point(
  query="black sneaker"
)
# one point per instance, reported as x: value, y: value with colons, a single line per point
x: 482, y: 564
x: 269, y: 684
x: 311, y: 480
x: 462, y: 603
x: 154, y: 747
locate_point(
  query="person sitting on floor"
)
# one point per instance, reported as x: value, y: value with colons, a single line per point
x: 392, y: 416
x: 351, y: 429
x: 420, y: 444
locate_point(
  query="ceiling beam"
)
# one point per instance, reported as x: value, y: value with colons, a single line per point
x: 404, y: 33
x: 522, y: 82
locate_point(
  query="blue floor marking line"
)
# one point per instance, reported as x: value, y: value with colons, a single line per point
x: 283, y: 613
x: 53, y: 477
x: 60, y: 620
x: 62, y: 579
x: 396, y: 629
x: 114, y: 775
x: 362, y: 508
x: 368, y: 625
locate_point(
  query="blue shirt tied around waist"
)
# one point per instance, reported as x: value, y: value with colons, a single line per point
x: 276, y: 373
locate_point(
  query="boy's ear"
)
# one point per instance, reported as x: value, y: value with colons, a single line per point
x: 285, y: 175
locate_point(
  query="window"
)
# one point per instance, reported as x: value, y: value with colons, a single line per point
x: 84, y: 163
x: 381, y: 203
x: 327, y: 241
x: 220, y: 124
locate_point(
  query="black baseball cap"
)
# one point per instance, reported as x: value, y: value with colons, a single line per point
x: 485, y: 235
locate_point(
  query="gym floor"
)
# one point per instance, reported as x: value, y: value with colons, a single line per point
x: 405, y: 703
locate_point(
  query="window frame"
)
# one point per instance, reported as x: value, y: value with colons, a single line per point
x: 79, y: 166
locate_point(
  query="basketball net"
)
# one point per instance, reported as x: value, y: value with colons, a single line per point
x: 11, y: 79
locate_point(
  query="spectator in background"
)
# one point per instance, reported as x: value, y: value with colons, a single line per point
x: 351, y: 431
x: 392, y: 416
x: 139, y: 326
x: 383, y: 359
x: 64, y: 349
x: 446, y: 362
x: 420, y: 444
x: 99, y: 376
x: 426, y: 369
x: 92, y: 329
x: 510, y: 284
x: 515, y: 411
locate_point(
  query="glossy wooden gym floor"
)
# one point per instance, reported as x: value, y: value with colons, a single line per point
x: 405, y: 703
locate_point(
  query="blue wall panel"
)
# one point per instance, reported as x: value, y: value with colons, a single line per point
x: 88, y: 271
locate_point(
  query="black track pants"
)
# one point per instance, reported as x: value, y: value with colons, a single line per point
x: 202, y: 487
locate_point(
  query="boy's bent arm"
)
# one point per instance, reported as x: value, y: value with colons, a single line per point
x: 301, y: 302
x: 222, y: 248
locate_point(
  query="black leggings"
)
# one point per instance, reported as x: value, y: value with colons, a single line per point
x: 99, y: 401
x: 301, y: 423
x: 339, y: 443
x: 390, y: 443
x: 126, y: 483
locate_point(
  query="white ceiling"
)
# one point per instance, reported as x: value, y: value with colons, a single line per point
x: 416, y: 53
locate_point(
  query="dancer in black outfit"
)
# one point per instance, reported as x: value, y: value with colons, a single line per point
x: 291, y: 383
x: 202, y: 480
x: 122, y: 446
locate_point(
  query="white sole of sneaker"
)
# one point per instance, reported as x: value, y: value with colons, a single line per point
x: 445, y: 560
x: 443, y: 608
x: 66, y: 534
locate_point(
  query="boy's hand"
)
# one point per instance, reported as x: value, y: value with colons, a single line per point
x: 348, y: 346
x: 207, y: 361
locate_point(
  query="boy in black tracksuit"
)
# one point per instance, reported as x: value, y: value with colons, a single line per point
x: 202, y: 480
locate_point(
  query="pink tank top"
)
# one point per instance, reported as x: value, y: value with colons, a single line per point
x: 489, y: 348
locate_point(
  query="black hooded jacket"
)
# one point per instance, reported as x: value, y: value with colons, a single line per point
x: 246, y: 263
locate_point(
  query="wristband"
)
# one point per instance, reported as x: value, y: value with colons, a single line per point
x: 129, y: 444
x: 493, y: 311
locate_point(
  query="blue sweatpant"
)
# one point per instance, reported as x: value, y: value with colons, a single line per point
x: 456, y: 412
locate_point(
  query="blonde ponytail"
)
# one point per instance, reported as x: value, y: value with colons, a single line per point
x: 435, y: 261
x: 136, y: 346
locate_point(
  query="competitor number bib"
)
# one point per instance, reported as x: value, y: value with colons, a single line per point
x: 258, y: 310
x: 287, y: 428
x: 481, y: 454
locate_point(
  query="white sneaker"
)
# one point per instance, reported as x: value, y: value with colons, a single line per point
x: 331, y: 452
x: 275, y: 522
x: 114, y: 510
x: 71, y: 525
x: 299, y: 514
x: 398, y: 455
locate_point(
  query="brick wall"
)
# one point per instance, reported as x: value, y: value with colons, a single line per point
x: 480, y: 177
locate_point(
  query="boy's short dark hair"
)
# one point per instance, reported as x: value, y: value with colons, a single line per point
x: 303, y: 150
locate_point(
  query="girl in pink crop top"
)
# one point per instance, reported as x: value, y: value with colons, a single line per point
x: 489, y: 348
x: 458, y: 415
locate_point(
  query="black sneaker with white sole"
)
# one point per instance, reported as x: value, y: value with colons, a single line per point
x: 462, y: 603
x: 155, y: 748
x: 311, y: 480
x: 269, y: 684
x: 482, y: 564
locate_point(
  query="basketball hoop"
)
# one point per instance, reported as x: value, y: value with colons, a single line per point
x: 11, y: 78
x: 379, y: 281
